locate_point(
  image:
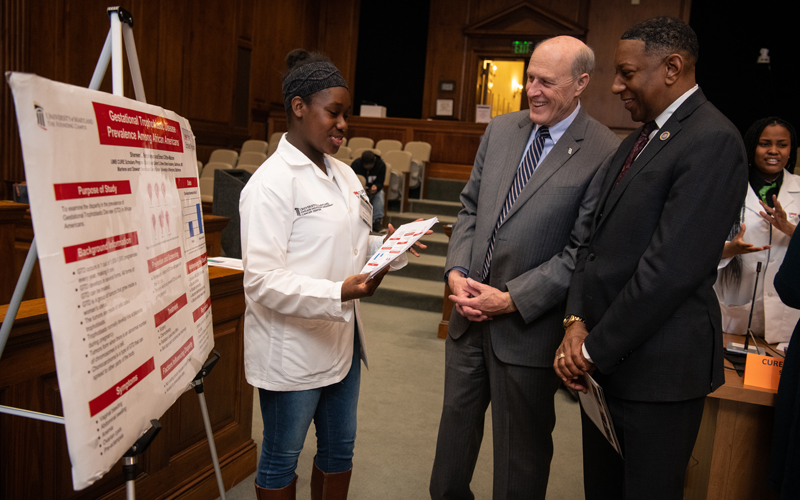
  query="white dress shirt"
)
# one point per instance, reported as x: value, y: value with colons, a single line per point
x: 556, y: 131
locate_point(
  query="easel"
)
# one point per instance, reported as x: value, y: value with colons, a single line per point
x: 121, y: 26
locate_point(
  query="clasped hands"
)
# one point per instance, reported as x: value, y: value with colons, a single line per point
x: 476, y: 301
x: 570, y: 364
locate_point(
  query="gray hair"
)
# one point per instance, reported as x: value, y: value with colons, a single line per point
x: 583, y: 62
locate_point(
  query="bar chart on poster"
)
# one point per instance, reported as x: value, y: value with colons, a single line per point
x: 192, y: 208
x: 194, y: 218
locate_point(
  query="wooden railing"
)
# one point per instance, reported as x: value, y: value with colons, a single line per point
x: 453, y: 143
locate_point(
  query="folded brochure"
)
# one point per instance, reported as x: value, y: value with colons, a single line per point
x: 394, y: 246
x: 595, y: 406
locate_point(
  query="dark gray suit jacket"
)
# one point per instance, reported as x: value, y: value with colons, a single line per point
x: 644, y: 279
x: 535, y: 248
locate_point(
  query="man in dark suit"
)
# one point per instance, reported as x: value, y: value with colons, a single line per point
x: 510, y: 258
x: 641, y: 307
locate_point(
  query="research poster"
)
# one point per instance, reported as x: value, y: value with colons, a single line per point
x: 117, y: 216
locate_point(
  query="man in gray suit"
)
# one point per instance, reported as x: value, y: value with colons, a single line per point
x: 526, y: 209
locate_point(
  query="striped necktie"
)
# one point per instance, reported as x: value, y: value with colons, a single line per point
x: 524, y: 172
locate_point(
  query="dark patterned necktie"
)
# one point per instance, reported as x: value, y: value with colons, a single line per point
x: 637, y: 148
x: 524, y: 172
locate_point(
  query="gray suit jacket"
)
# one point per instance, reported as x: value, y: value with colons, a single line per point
x: 535, y: 248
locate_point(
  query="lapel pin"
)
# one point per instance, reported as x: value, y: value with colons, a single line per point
x: 664, y: 136
x: 569, y: 151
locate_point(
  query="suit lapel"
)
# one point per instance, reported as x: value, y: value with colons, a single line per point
x: 567, y: 145
x: 670, y: 130
x: 613, y: 173
x: 664, y: 135
x: 516, y: 148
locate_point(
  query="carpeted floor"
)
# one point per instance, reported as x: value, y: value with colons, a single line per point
x: 398, y: 419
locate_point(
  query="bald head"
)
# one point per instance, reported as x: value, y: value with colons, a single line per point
x: 579, y: 53
x: 558, y: 73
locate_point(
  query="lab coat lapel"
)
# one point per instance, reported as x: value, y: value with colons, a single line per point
x: 788, y: 194
x: 751, y: 201
x: 340, y: 180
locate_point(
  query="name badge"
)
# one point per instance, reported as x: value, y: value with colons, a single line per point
x: 366, y: 209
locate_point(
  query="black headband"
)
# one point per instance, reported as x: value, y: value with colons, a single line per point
x: 309, y: 79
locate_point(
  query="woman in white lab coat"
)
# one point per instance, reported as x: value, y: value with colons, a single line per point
x: 305, y: 225
x: 767, y: 221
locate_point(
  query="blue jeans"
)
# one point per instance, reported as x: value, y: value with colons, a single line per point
x: 287, y: 417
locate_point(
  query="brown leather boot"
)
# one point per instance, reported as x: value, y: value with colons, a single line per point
x: 285, y: 493
x: 329, y: 486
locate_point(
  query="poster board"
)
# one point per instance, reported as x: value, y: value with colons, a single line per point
x: 115, y: 204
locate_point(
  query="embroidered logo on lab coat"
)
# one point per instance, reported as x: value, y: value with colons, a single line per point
x: 310, y: 209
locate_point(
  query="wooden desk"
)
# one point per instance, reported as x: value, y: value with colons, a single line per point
x: 730, y: 460
x: 35, y: 463
x: 453, y: 143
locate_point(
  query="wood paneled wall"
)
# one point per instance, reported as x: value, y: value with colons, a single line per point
x: 13, y: 54
x: 608, y: 20
x: 453, y: 144
x: 216, y: 63
x: 462, y: 32
x: 219, y: 63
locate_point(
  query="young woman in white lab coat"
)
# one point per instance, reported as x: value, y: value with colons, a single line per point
x: 305, y: 225
x: 768, y: 218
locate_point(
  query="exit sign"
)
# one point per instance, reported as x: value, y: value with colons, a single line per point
x: 521, y: 47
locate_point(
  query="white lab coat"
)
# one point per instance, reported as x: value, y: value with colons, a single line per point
x: 771, y: 318
x: 302, y: 235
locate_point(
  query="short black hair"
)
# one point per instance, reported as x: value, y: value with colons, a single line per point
x: 753, y: 134
x: 367, y: 157
x: 666, y: 35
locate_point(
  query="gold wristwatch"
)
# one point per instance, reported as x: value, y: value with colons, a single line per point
x: 572, y: 319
